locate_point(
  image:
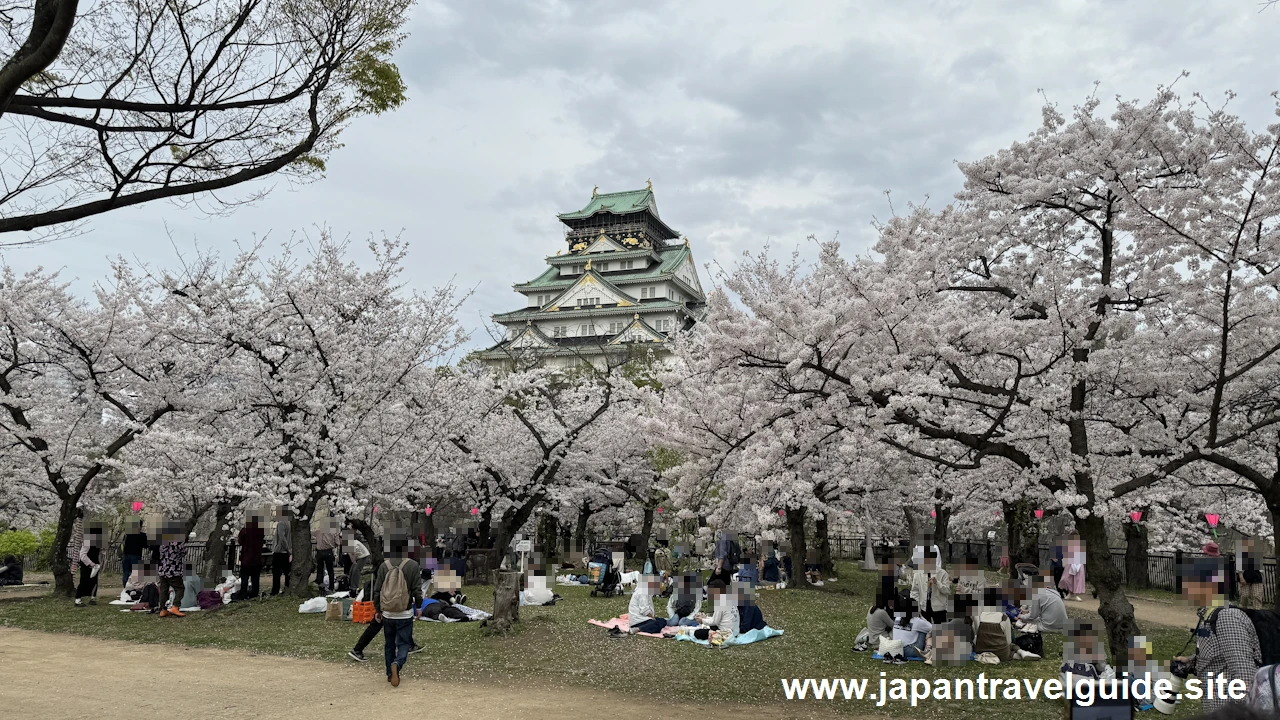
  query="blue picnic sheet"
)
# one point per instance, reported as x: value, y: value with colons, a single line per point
x: 745, y: 638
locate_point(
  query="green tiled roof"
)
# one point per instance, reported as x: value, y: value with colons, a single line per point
x: 671, y: 259
x: 619, y: 203
x: 574, y: 312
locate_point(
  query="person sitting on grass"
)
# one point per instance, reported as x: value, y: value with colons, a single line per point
x: 879, y: 620
x: 640, y: 613
x: 11, y: 571
x: 1046, y: 611
x: 685, y: 601
x: 724, y: 617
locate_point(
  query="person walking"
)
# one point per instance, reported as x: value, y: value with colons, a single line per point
x: 89, y: 558
x: 250, y: 539
x: 135, y: 542
x: 281, y: 551
x: 328, y: 539
x: 397, y: 601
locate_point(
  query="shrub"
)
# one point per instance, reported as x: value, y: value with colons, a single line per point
x: 21, y: 543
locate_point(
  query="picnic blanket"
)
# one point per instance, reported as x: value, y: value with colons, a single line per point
x: 623, y: 623
x: 745, y: 638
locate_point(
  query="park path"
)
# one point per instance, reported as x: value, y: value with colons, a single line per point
x: 55, y: 676
x: 1146, y: 611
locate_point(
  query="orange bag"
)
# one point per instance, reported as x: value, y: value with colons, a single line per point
x: 362, y: 611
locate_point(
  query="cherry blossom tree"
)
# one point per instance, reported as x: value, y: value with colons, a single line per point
x: 320, y: 353
x: 1014, y: 326
x: 81, y: 381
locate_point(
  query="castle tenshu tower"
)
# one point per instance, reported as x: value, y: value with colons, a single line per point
x: 623, y: 284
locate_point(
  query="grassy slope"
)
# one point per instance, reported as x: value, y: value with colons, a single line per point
x: 557, y: 646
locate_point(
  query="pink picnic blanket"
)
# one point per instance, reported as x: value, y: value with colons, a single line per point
x: 622, y: 622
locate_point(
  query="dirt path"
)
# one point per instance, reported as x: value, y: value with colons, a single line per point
x: 48, y: 676
x: 1146, y: 611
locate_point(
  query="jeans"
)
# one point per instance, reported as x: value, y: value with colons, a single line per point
x: 280, y: 565
x: 249, y: 576
x: 324, y: 563
x: 126, y: 566
x: 686, y: 621
x: 398, y: 635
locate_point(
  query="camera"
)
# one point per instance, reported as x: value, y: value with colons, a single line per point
x: 1180, y: 668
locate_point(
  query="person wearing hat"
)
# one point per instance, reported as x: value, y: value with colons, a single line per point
x: 1226, y: 642
x: 1210, y: 549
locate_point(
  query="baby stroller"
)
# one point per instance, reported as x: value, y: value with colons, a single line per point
x: 603, y: 574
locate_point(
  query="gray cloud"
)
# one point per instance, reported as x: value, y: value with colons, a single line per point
x: 757, y: 121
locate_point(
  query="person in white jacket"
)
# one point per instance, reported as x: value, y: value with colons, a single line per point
x: 640, y: 613
x: 931, y: 589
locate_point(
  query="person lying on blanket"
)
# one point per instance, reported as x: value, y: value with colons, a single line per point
x: 640, y: 613
x: 724, y: 620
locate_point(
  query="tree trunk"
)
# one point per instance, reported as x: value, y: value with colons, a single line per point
x: 215, y: 553
x: 646, y: 532
x: 799, y: 548
x: 302, y: 566
x: 429, y: 532
x: 485, y: 528
x: 941, y: 527
x: 868, y: 553
x: 64, y: 582
x: 1024, y: 534
x: 823, y: 538
x: 1135, y: 556
x: 1113, y: 606
x: 580, y: 532
x: 913, y: 526
x: 506, y: 601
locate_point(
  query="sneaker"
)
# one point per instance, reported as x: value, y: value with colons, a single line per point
x: 888, y: 659
x: 416, y: 649
x: 93, y: 601
x: 899, y: 659
x: 395, y: 675
x: 79, y: 602
x: 357, y: 656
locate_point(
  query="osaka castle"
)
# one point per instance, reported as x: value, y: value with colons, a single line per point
x: 623, y: 283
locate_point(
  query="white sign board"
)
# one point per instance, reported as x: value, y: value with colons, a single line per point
x: 524, y: 546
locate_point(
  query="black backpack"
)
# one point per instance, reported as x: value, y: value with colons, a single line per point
x: 735, y: 554
x: 1030, y: 642
x: 1267, y: 624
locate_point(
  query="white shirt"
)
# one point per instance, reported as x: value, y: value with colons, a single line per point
x: 358, y: 550
x: 641, y: 607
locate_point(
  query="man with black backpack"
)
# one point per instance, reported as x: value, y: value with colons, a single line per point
x: 397, y: 602
x: 1226, y: 641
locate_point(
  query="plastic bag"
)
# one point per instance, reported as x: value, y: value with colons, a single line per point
x: 314, y: 605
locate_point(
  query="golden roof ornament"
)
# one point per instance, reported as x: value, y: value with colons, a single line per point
x: 588, y: 263
x: 557, y: 253
x: 686, y: 241
x: 649, y: 184
x: 595, y: 191
x: 635, y: 316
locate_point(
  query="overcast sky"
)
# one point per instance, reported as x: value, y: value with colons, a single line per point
x: 757, y: 122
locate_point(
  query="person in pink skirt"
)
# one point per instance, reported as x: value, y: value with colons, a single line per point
x: 1072, y: 582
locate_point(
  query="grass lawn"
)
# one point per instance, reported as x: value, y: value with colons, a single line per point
x: 555, y: 645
